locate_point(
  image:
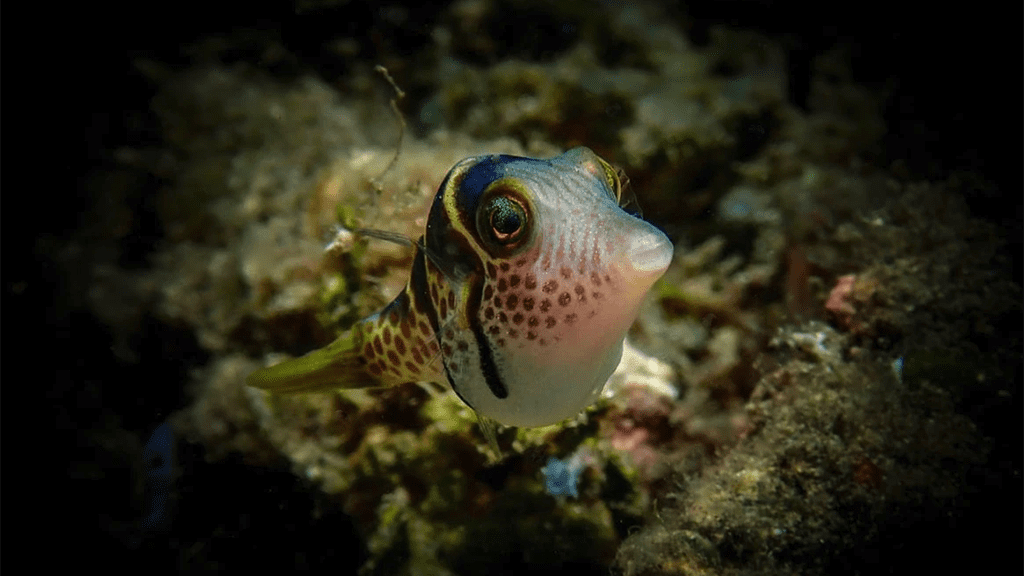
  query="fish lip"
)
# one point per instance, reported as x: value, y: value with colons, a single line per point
x: 650, y: 252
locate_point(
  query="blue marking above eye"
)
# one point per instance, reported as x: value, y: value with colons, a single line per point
x: 477, y: 178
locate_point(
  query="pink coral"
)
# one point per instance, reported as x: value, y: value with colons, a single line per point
x: 839, y: 299
x: 640, y: 426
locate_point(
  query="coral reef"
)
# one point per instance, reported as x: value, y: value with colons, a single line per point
x: 756, y: 423
x: 846, y: 450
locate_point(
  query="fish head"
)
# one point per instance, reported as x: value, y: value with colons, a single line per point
x: 544, y: 274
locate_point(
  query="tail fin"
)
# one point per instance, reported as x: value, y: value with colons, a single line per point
x: 337, y: 365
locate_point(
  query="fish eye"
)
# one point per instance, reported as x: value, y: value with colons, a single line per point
x: 503, y: 219
x: 507, y: 218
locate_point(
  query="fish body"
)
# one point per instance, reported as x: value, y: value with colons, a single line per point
x: 521, y: 291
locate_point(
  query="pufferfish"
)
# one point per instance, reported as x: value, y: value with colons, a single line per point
x: 521, y: 291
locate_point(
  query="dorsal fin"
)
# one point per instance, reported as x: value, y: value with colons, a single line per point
x: 403, y: 240
x: 627, y: 198
x: 387, y: 236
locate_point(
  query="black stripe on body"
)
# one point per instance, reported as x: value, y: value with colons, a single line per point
x: 419, y: 290
x: 419, y: 285
x: 487, y: 365
x: 450, y: 251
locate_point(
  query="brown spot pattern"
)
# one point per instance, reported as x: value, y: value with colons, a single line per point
x: 510, y: 299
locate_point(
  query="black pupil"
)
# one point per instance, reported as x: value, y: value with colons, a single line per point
x: 505, y: 217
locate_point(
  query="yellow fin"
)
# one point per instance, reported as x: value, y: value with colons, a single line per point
x: 489, y: 429
x: 337, y: 365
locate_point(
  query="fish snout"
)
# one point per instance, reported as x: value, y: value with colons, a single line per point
x: 646, y: 253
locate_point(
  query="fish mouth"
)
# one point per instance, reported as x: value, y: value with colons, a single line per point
x: 649, y: 252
